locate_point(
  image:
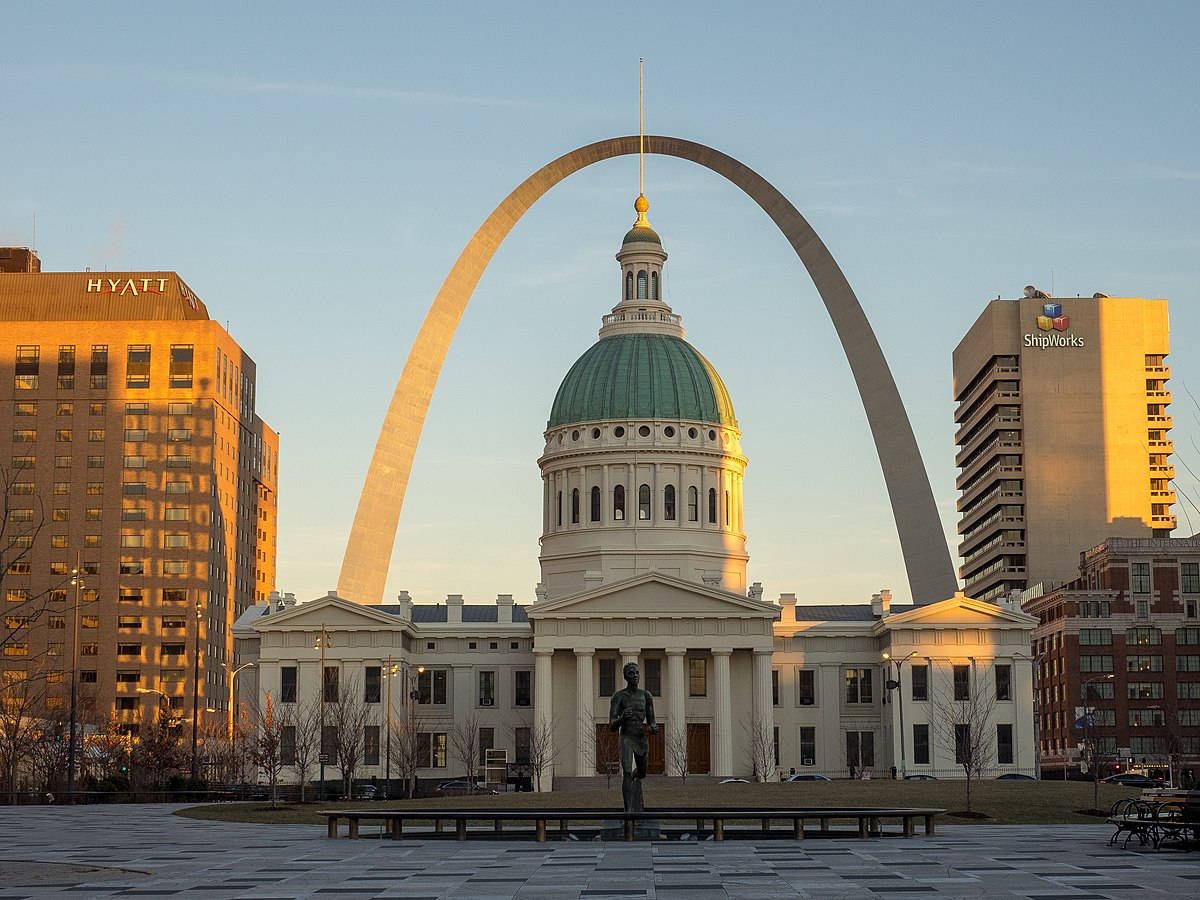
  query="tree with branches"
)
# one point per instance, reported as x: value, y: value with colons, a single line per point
x: 158, y: 753
x: 22, y: 694
x: 306, y: 719
x: 265, y: 748
x: 410, y: 749
x: 544, y: 750
x: 21, y: 521
x: 760, y: 749
x: 464, y: 744
x: 602, y: 752
x: 676, y: 749
x: 349, y: 717
x: 1097, y: 740
x: 964, y: 727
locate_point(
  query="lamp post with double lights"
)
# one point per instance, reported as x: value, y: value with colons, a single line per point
x: 232, y: 733
x: 898, y: 686
x: 390, y: 671
x: 323, y: 642
x: 414, y: 697
x: 77, y: 583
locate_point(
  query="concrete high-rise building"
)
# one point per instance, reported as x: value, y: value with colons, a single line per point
x: 1062, y: 435
x: 135, y: 455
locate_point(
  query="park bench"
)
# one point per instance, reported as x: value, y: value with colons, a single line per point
x: 868, y: 820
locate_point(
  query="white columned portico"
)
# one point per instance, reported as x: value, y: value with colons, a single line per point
x: 542, y: 739
x: 586, y: 741
x: 676, y: 694
x: 722, y: 715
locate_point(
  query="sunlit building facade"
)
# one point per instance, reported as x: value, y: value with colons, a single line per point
x: 135, y: 455
x: 643, y: 552
x: 1063, y: 435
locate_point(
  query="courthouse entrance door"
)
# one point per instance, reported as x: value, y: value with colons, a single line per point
x: 698, y: 744
x: 656, y: 758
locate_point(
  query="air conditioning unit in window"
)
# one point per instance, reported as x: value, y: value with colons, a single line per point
x: 485, y: 702
x: 808, y: 762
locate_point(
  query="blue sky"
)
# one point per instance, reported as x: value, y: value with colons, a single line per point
x: 313, y: 170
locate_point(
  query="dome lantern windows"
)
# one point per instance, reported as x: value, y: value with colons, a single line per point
x: 558, y: 516
x: 641, y: 285
x: 619, y: 503
x: 574, y: 506
x: 693, y: 504
x: 712, y: 506
x: 644, y: 503
x: 669, y: 503
x: 628, y: 285
x: 595, y: 505
x: 653, y: 285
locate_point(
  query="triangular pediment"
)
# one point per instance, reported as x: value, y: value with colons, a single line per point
x: 653, y: 595
x: 957, y: 610
x: 331, y: 611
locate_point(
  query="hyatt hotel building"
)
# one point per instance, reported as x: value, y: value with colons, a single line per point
x: 136, y: 455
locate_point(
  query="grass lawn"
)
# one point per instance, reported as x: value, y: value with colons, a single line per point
x: 1002, y: 802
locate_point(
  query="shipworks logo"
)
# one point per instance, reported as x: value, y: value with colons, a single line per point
x: 1052, y: 323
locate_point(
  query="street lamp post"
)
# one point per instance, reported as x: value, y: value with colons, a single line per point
x: 195, y: 689
x: 323, y: 641
x: 232, y: 734
x: 899, y: 687
x: 389, y: 673
x: 414, y: 697
x: 77, y: 583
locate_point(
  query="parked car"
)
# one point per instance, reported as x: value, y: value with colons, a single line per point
x: 733, y: 781
x: 920, y: 777
x: 368, y: 792
x: 461, y: 786
x: 808, y: 776
x: 1015, y: 776
x: 1134, y: 779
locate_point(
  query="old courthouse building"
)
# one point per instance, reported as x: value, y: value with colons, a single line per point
x: 644, y: 558
x: 135, y: 454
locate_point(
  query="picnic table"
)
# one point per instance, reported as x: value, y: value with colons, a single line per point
x: 1158, y: 817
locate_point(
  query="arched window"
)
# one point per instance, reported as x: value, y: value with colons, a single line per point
x: 595, y: 517
x: 669, y: 503
x: 693, y: 504
x: 644, y: 503
x: 653, y: 285
x: 628, y: 285
x: 712, y: 506
x: 574, y: 506
x: 619, y: 502
x: 727, y: 507
x: 642, y: 285
x: 558, y: 517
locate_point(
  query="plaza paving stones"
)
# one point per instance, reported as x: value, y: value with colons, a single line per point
x: 167, y: 856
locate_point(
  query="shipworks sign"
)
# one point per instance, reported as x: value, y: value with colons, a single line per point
x: 1052, y: 330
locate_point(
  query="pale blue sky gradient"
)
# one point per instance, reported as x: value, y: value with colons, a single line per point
x: 312, y: 171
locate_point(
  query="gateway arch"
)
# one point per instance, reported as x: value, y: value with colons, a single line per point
x: 373, y: 533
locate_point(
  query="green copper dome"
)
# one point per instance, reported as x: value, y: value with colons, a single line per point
x: 641, y: 234
x: 642, y: 376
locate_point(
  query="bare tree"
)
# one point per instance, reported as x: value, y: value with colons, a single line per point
x: 48, y: 751
x: 108, y: 750
x: 21, y: 523
x: 1098, y: 742
x: 158, y: 753
x: 265, y: 749
x: 965, y: 730
x: 410, y: 749
x: 306, y: 717
x: 602, y: 751
x: 543, y: 750
x: 760, y: 749
x: 464, y: 744
x: 349, y: 717
x: 676, y: 749
x: 22, y: 693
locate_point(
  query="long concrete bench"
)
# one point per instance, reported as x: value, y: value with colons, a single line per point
x: 868, y: 819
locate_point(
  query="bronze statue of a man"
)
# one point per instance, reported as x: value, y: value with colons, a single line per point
x: 630, y: 713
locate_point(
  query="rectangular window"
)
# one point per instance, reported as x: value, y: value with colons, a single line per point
x: 1143, y: 636
x: 487, y: 688
x: 174, y: 595
x: 329, y: 743
x: 129, y: 623
x: 25, y: 435
x: 1139, y: 578
x: 179, y: 408
x: 1095, y: 664
x: 1146, y: 663
x: 806, y: 687
x: 372, y: 684
x: 175, y: 566
x: 137, y: 366
x: 22, y: 488
x: 174, y: 676
x: 174, y: 622
x: 1144, y: 690
x: 181, y: 367
x: 95, y: 487
x: 178, y: 513
x: 697, y: 677
x: 135, y: 435
x: 171, y: 650
x: 522, y: 693
x: 1004, y: 745
x: 1147, y: 717
x: 962, y: 682
x: 135, y: 462
x: 95, y: 408
x: 330, y: 693
x: 774, y: 687
x: 521, y: 742
x: 653, y: 676
x: 179, y: 434
x: 808, y: 746
x: 178, y: 461
x: 26, y: 408
x: 175, y: 541
x: 178, y: 487
x: 137, y: 409
x: 370, y: 732
x: 1189, y: 578
x: 58, y: 541
x: 921, y: 745
x: 129, y: 649
x: 1187, y: 635
x: 1183, y: 663
x: 608, y: 677
x: 438, y: 745
x: 858, y: 686
x: 1003, y: 682
x: 287, y: 745
x: 1095, y: 637
x: 287, y: 684
x: 487, y: 741
x: 62, y: 462
x: 431, y: 684
x: 920, y: 682
x: 133, y: 567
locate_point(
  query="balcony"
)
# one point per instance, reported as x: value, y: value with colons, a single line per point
x: 1166, y: 471
x: 987, y: 380
x: 1161, y: 421
x: 1159, y: 396
x: 964, y: 412
x: 1162, y: 522
x: 1163, y: 372
x: 1162, y: 446
x: 1162, y: 496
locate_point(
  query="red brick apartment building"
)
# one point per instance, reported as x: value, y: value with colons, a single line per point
x: 1122, y: 639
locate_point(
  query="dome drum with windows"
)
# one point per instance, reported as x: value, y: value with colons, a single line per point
x: 643, y: 467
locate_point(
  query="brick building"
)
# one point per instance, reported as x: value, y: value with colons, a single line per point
x: 1118, y: 656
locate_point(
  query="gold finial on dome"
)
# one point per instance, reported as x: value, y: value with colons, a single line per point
x: 641, y: 204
